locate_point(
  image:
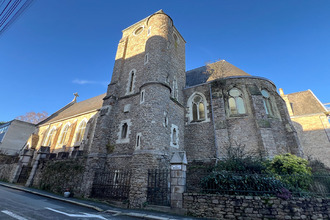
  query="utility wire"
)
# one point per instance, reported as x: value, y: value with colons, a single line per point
x: 8, y: 20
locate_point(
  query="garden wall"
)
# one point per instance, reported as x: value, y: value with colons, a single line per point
x: 8, y: 165
x: 7, y: 171
x: 57, y: 175
x: 253, y: 207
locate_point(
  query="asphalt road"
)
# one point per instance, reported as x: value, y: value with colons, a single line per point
x: 15, y: 204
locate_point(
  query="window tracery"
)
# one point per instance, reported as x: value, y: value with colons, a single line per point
x: 236, y: 102
x: 81, y: 131
x: 267, y: 102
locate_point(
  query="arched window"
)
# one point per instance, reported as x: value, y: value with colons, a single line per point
x: 48, y: 141
x: 236, y: 102
x: 63, y: 135
x: 267, y: 102
x: 131, y: 81
x: 198, y: 108
x: 81, y: 131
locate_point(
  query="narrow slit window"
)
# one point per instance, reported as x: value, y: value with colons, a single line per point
x: 174, y: 136
x: 146, y: 58
x: 131, y: 82
x: 142, y: 96
x: 138, y: 141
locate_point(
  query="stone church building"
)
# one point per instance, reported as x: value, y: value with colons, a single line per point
x: 154, y: 109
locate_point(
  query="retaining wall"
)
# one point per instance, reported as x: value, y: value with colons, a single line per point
x: 253, y: 207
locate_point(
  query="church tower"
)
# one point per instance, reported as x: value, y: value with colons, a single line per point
x: 141, y: 122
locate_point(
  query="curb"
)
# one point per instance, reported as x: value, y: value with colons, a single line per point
x: 53, y: 197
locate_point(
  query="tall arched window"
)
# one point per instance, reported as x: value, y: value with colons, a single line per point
x: 198, y: 108
x: 267, y: 102
x: 48, y: 141
x: 64, y: 134
x: 81, y: 131
x: 236, y: 102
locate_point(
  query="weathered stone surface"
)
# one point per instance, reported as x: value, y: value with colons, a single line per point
x: 249, y: 207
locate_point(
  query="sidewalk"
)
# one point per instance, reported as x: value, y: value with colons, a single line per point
x: 98, y: 206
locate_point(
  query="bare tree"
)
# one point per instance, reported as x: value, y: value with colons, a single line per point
x: 33, y: 117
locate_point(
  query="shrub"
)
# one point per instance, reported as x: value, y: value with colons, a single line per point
x: 291, y: 170
x: 241, y: 183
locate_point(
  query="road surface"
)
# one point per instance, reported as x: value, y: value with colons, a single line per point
x: 15, y: 204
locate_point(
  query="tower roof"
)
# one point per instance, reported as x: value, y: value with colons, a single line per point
x: 212, y: 71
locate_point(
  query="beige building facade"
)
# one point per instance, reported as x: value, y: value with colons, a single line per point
x: 69, y: 129
x: 311, y: 120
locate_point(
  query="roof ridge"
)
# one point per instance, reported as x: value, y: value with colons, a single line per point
x: 58, y: 111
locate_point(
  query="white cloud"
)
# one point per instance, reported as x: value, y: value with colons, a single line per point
x: 83, y: 82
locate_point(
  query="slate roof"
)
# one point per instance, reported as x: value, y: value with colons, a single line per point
x: 304, y: 103
x: 75, y: 108
x: 212, y: 71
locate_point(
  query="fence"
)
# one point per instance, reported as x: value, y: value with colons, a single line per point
x: 158, y: 187
x: 284, y: 186
x: 112, y: 185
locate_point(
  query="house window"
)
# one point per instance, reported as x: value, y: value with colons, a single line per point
x: 267, y: 102
x: 81, y: 131
x: 48, y: 141
x: 142, y: 96
x: 236, y: 102
x: 198, y: 108
x: 64, y: 133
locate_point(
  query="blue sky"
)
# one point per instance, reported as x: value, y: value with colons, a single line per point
x: 59, y: 47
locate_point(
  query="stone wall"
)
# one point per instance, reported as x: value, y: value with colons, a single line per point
x: 6, y: 171
x: 314, y: 134
x: 249, y: 207
x: 7, y: 167
x: 58, y: 175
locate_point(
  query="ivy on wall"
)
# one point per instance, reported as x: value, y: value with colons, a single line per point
x: 58, y: 176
